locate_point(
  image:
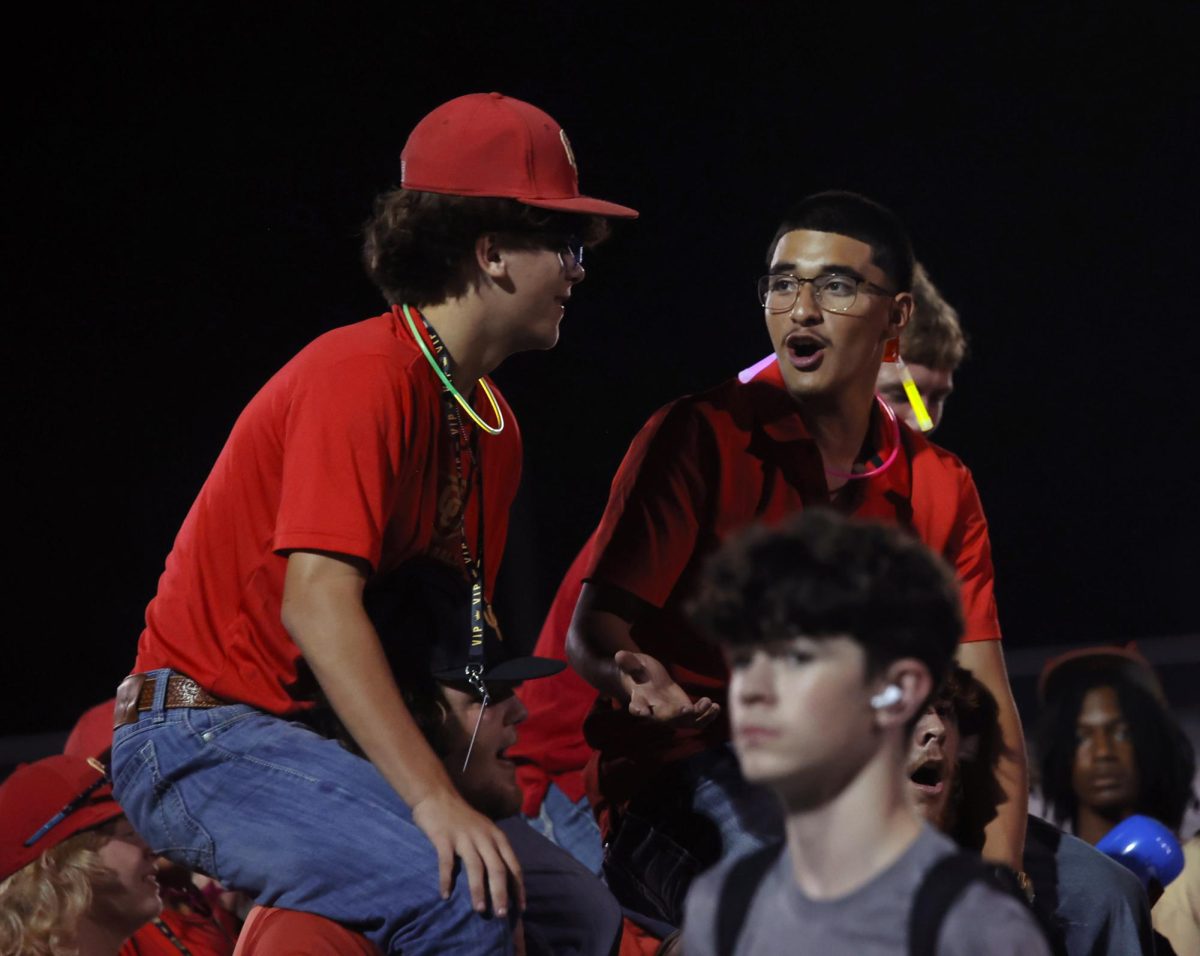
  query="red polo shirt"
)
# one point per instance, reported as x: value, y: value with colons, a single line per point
x: 702, y: 468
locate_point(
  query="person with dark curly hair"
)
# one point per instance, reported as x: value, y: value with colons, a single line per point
x: 836, y: 632
x: 378, y: 443
x: 1108, y: 746
x: 1089, y: 904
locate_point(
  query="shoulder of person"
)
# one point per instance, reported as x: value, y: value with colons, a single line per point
x: 985, y: 920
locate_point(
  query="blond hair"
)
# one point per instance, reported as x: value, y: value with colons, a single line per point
x: 42, y: 903
x: 933, y: 337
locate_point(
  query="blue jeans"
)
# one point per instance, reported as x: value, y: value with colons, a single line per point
x: 571, y: 826
x: 276, y: 810
x: 695, y: 813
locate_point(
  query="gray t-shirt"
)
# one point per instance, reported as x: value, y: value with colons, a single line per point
x: 870, y: 921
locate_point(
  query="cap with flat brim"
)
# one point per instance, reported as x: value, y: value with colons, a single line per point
x: 422, y: 614
x: 52, y: 799
x: 488, y: 144
x: 512, y: 671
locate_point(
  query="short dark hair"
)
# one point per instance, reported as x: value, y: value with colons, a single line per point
x: 933, y: 337
x: 849, y: 214
x: 418, y: 246
x: 820, y: 574
x: 1164, y: 755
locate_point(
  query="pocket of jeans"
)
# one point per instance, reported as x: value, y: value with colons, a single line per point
x: 211, y: 723
x: 156, y: 806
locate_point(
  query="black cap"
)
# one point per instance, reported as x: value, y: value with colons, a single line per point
x: 422, y: 613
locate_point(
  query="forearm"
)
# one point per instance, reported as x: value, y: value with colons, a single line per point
x: 325, y: 617
x: 596, y: 634
x: 1005, y: 835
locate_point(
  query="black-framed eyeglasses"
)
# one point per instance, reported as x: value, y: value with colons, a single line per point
x: 833, y: 291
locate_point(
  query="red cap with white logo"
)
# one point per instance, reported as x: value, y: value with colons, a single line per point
x: 488, y: 144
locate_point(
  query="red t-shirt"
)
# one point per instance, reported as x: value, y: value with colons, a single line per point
x: 702, y: 468
x: 345, y: 450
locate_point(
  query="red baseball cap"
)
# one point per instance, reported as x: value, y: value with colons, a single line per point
x: 92, y: 735
x: 51, y: 799
x: 1125, y: 660
x: 488, y: 144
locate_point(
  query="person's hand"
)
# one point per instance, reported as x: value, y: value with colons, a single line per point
x: 456, y: 830
x: 652, y: 693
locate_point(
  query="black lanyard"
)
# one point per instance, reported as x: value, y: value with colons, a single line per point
x: 473, y: 565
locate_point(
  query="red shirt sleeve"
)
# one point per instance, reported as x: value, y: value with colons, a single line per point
x: 652, y: 525
x: 346, y: 433
x: 971, y: 552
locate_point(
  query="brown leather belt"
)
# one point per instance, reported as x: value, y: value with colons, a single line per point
x: 136, y: 695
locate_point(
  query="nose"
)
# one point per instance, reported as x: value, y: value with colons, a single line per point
x: 752, y: 683
x: 514, y: 710
x: 1102, y: 746
x: 806, y: 310
x: 931, y: 728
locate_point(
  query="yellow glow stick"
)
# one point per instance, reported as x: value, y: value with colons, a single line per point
x: 914, y: 396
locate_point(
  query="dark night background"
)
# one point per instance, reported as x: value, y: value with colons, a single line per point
x: 187, y: 186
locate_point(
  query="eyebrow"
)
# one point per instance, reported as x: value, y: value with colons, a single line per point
x: 828, y: 269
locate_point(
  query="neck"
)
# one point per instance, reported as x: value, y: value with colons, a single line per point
x: 461, y: 325
x: 95, y: 938
x: 1091, y: 824
x: 839, y: 428
x: 841, y: 845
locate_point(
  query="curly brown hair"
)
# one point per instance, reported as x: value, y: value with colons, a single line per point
x: 977, y: 793
x: 819, y: 573
x: 418, y: 246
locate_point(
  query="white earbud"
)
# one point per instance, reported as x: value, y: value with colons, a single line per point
x: 886, y: 697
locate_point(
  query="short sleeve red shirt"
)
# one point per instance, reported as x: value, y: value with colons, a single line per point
x: 344, y: 450
x: 707, y: 465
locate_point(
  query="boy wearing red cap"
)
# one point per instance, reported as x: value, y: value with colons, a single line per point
x: 371, y: 447
x: 75, y: 878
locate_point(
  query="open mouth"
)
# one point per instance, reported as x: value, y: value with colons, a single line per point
x: 930, y: 776
x: 804, y: 352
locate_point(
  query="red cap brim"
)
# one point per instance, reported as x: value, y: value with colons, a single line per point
x: 583, y: 205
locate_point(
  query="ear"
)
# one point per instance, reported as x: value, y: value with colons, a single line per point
x: 915, y: 683
x: 901, y: 312
x: 489, y: 257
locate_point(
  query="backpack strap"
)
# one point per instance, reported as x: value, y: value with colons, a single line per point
x: 944, y: 883
x: 741, y: 883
